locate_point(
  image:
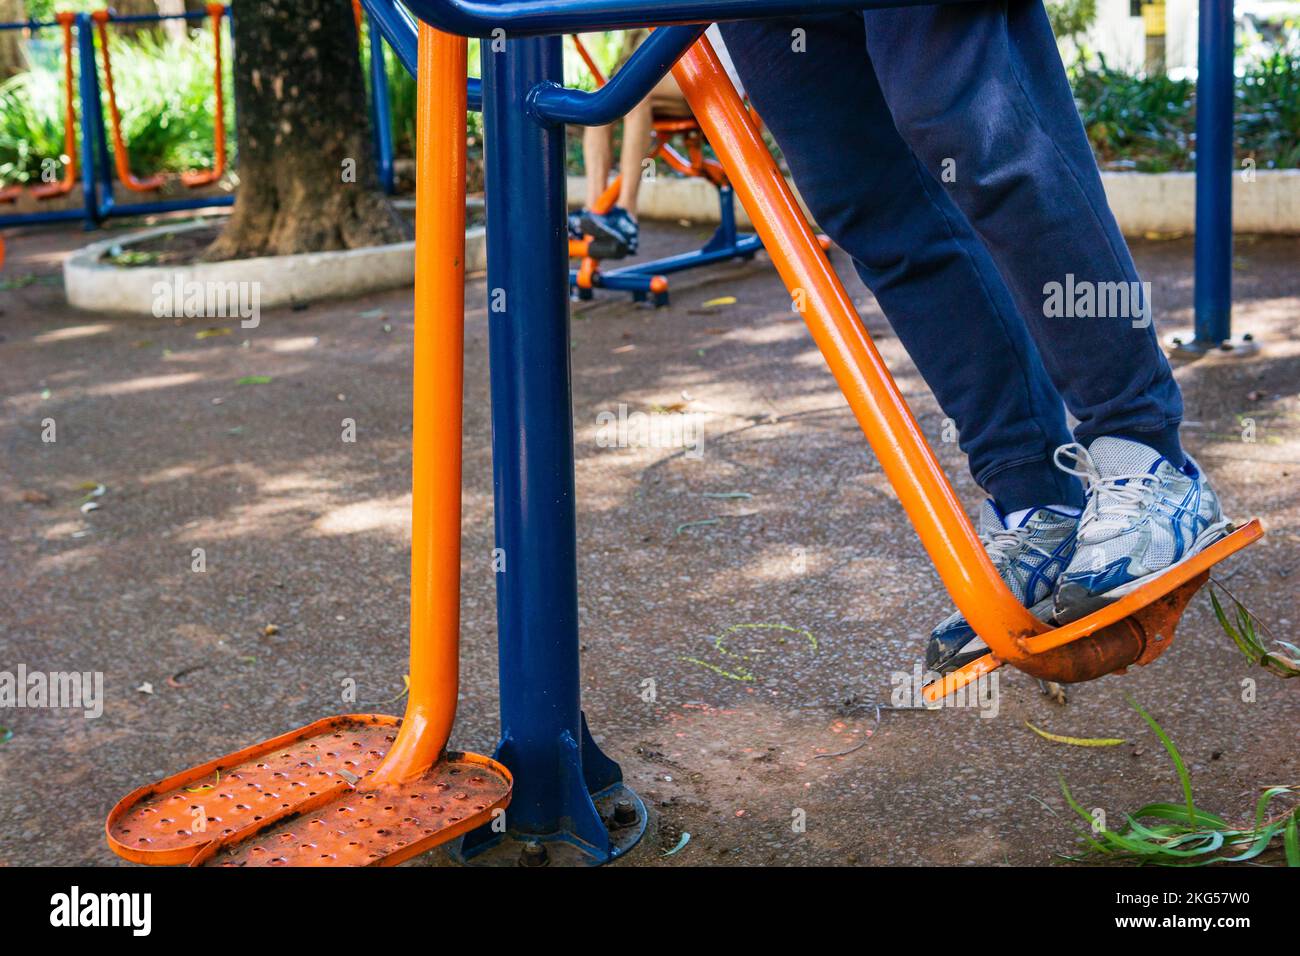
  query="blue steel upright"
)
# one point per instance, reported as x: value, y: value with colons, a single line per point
x: 561, y: 776
x: 380, y: 111
x: 1214, y: 162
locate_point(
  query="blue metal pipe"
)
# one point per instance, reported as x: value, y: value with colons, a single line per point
x: 397, y: 27
x: 542, y: 739
x: 380, y: 111
x: 88, y: 89
x: 486, y: 18
x: 651, y: 62
x: 1214, y: 166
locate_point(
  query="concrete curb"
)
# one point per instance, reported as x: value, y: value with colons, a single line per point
x: 99, y: 286
x: 1142, y: 202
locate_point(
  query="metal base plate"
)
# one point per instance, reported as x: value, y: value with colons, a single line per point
x: 1185, y: 345
x: 621, y: 809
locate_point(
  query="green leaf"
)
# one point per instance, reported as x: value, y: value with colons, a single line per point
x: 1291, y: 840
x: 1174, y: 755
x: 253, y: 380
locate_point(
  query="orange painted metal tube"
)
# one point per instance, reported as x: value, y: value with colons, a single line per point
x: 69, y: 178
x: 581, y: 47
x: 206, y: 177
x: 881, y: 411
x: 436, y: 422
x: 120, y: 159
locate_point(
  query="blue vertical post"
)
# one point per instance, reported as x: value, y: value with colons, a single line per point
x: 1214, y: 168
x: 557, y: 768
x: 379, y: 109
x: 88, y: 92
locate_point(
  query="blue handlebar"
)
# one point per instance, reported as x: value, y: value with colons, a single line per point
x: 480, y: 18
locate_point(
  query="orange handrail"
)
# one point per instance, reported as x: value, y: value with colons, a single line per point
x: 195, y: 179
x: 120, y: 159
x: 69, y: 180
x: 436, y: 426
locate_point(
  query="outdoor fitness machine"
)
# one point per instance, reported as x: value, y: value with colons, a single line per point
x: 106, y: 205
x: 370, y: 789
x: 215, y: 12
x: 649, y: 280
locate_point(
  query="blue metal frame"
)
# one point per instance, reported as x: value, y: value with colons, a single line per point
x: 559, y: 772
x: 85, y: 148
x: 1214, y: 169
x: 381, y: 117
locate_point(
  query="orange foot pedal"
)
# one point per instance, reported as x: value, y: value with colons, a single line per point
x: 1136, y: 629
x: 301, y: 799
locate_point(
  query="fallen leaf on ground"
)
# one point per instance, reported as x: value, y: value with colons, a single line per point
x: 211, y: 333
x: 1077, y: 741
x: 253, y: 380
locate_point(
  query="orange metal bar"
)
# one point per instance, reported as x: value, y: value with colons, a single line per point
x: 69, y: 179
x: 206, y: 177
x: 598, y: 76
x: 121, y: 161
x: 436, y: 423
x: 881, y: 411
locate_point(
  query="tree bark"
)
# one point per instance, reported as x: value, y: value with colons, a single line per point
x: 13, y: 57
x: 307, y: 181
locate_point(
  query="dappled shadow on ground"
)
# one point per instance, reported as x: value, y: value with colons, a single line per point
x: 759, y: 584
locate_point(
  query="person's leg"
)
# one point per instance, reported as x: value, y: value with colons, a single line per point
x: 995, y: 110
x: 811, y: 81
x: 637, y: 126
x: 979, y: 93
x: 597, y: 154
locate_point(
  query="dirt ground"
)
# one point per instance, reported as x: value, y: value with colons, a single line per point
x: 738, y: 747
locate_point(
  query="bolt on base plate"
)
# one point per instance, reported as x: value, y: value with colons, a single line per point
x: 625, y: 818
x: 1185, y: 345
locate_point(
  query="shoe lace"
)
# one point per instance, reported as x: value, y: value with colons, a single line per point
x: 1116, y: 500
x: 1001, y: 543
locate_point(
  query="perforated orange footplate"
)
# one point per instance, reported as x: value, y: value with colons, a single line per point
x: 301, y: 799
x: 381, y: 827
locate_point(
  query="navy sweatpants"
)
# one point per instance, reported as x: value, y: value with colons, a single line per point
x: 941, y: 148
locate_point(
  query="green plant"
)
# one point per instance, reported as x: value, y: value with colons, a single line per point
x: 1184, y: 835
x: 1243, y: 633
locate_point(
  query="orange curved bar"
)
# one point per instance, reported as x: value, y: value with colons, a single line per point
x: 863, y: 377
x: 121, y: 161
x: 436, y: 423
x: 206, y: 177
x: 69, y: 179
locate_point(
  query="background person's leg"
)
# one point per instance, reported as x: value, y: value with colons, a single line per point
x: 597, y: 155
x: 979, y: 90
x: 636, y: 143
x: 933, y: 278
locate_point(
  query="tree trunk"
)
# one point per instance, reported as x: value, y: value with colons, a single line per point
x: 13, y: 57
x: 307, y: 181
